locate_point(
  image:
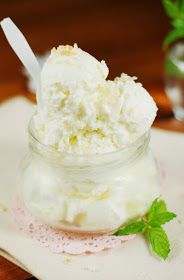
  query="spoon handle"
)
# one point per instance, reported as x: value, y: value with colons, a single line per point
x: 22, y: 49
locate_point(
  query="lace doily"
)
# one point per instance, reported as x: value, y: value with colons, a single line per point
x: 58, y: 241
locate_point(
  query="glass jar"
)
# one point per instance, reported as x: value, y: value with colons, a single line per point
x: 174, y: 79
x: 92, y: 194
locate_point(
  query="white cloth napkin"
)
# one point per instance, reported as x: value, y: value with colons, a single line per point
x: 132, y: 260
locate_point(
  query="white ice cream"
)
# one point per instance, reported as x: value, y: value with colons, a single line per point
x: 82, y: 114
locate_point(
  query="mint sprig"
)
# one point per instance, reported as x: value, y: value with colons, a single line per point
x: 151, y: 227
x: 175, y: 10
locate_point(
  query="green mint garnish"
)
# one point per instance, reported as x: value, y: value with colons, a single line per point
x: 132, y: 228
x: 159, y: 241
x: 151, y: 227
x: 175, y: 10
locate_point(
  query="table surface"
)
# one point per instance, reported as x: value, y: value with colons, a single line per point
x: 128, y: 35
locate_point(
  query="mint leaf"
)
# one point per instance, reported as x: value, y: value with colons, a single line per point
x: 161, y: 219
x: 133, y: 228
x: 172, y: 36
x: 171, y: 8
x: 157, y: 207
x: 181, y: 6
x: 178, y: 23
x: 159, y: 242
x: 175, y: 10
x: 158, y: 214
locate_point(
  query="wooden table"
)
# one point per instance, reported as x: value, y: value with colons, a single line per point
x: 126, y: 34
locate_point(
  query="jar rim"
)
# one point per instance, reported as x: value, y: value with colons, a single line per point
x: 131, y: 148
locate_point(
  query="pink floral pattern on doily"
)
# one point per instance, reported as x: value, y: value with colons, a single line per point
x: 58, y: 241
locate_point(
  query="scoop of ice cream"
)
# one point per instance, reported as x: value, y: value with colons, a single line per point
x: 70, y: 66
x: 82, y: 112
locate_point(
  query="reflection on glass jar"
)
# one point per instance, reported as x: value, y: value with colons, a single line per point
x: 174, y: 79
x: 96, y: 193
